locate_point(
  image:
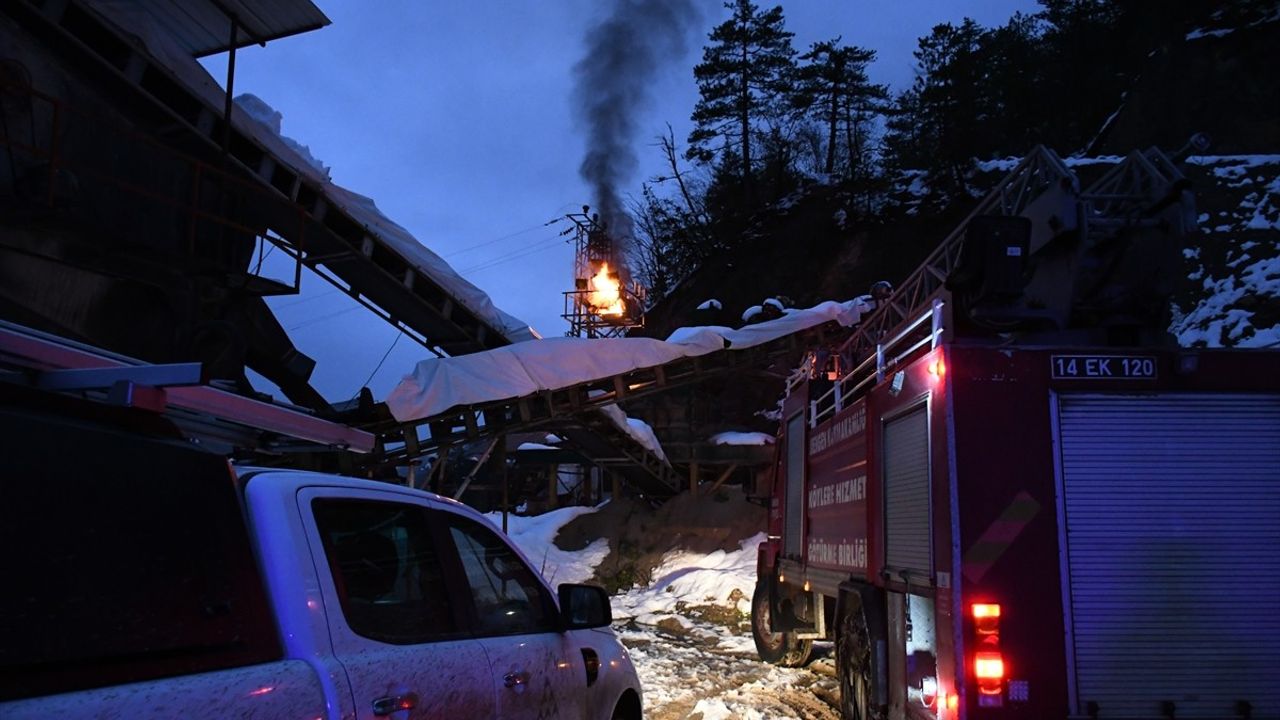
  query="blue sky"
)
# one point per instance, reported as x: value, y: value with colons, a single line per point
x: 457, y: 119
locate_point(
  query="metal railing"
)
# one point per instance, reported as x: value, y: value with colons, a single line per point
x: 1035, y: 174
x: 1140, y: 190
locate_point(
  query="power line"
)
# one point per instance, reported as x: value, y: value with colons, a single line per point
x: 508, y: 236
x: 541, y: 246
x: 314, y: 320
x: 378, y: 367
x: 308, y: 299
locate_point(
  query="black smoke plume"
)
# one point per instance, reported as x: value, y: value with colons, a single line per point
x: 624, y: 52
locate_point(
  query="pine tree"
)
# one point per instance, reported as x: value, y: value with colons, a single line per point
x: 832, y: 86
x: 742, y: 80
x: 945, y: 119
x: 1015, y: 56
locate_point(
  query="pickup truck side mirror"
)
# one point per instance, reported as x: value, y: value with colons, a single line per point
x: 584, y: 606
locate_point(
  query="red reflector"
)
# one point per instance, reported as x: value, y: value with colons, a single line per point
x: 988, y: 666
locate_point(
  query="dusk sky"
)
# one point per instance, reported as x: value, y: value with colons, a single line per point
x: 458, y: 120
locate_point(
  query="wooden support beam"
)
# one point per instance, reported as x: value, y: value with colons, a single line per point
x: 585, y: 489
x: 553, y: 486
x: 484, y: 457
x: 694, y: 471
x: 723, y: 476
x: 435, y: 475
x: 501, y: 458
x: 411, y: 448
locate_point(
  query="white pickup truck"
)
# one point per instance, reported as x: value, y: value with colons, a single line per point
x: 142, y: 578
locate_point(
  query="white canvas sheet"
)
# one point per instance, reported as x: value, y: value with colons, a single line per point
x: 439, y: 384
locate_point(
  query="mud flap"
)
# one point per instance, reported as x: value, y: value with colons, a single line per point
x: 782, y: 615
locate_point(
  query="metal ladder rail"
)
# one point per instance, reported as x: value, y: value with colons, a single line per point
x: 922, y: 296
x: 1039, y: 171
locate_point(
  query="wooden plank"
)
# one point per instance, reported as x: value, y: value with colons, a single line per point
x: 466, y: 482
x: 723, y: 476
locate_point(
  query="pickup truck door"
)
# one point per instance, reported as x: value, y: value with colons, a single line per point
x: 402, y: 638
x: 538, y: 671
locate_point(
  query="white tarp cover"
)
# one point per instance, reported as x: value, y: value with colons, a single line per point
x: 255, y: 119
x: 439, y: 384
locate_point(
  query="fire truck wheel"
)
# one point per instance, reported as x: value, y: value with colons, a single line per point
x: 853, y: 666
x: 778, y: 648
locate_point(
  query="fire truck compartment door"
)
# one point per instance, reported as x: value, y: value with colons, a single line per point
x: 906, y: 495
x: 793, y: 535
x: 1170, y: 505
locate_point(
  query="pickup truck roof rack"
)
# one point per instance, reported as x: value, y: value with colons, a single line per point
x: 222, y: 420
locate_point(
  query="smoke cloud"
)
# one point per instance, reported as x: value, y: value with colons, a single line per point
x: 624, y: 53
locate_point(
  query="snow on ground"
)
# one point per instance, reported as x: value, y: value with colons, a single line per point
x: 535, y: 537
x: 1236, y: 258
x: 691, y: 662
x: 684, y: 579
x: 682, y: 677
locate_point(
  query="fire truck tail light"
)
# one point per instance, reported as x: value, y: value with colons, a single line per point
x: 986, y: 610
x: 953, y: 701
x: 988, y: 667
x: 937, y: 368
x: 986, y: 618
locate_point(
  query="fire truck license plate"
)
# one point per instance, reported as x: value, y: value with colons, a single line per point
x: 1103, y: 367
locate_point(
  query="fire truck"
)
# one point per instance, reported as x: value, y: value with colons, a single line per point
x: 1009, y: 494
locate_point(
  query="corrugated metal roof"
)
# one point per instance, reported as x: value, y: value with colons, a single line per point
x: 203, y: 27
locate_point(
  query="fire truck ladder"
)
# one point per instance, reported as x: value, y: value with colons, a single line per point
x: 1144, y: 189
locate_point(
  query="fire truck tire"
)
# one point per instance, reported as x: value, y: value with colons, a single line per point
x: 777, y: 648
x: 853, y: 666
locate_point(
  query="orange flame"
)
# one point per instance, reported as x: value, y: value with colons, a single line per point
x: 605, y: 295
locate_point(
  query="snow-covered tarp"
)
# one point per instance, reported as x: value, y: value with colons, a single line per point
x: 438, y: 384
x: 741, y: 438
x: 258, y: 120
x: 639, y: 430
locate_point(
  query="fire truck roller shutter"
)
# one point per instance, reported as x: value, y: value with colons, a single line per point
x: 1170, y: 505
x: 906, y: 495
x: 796, y: 449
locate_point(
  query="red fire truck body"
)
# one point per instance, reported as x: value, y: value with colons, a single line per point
x: 993, y: 529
